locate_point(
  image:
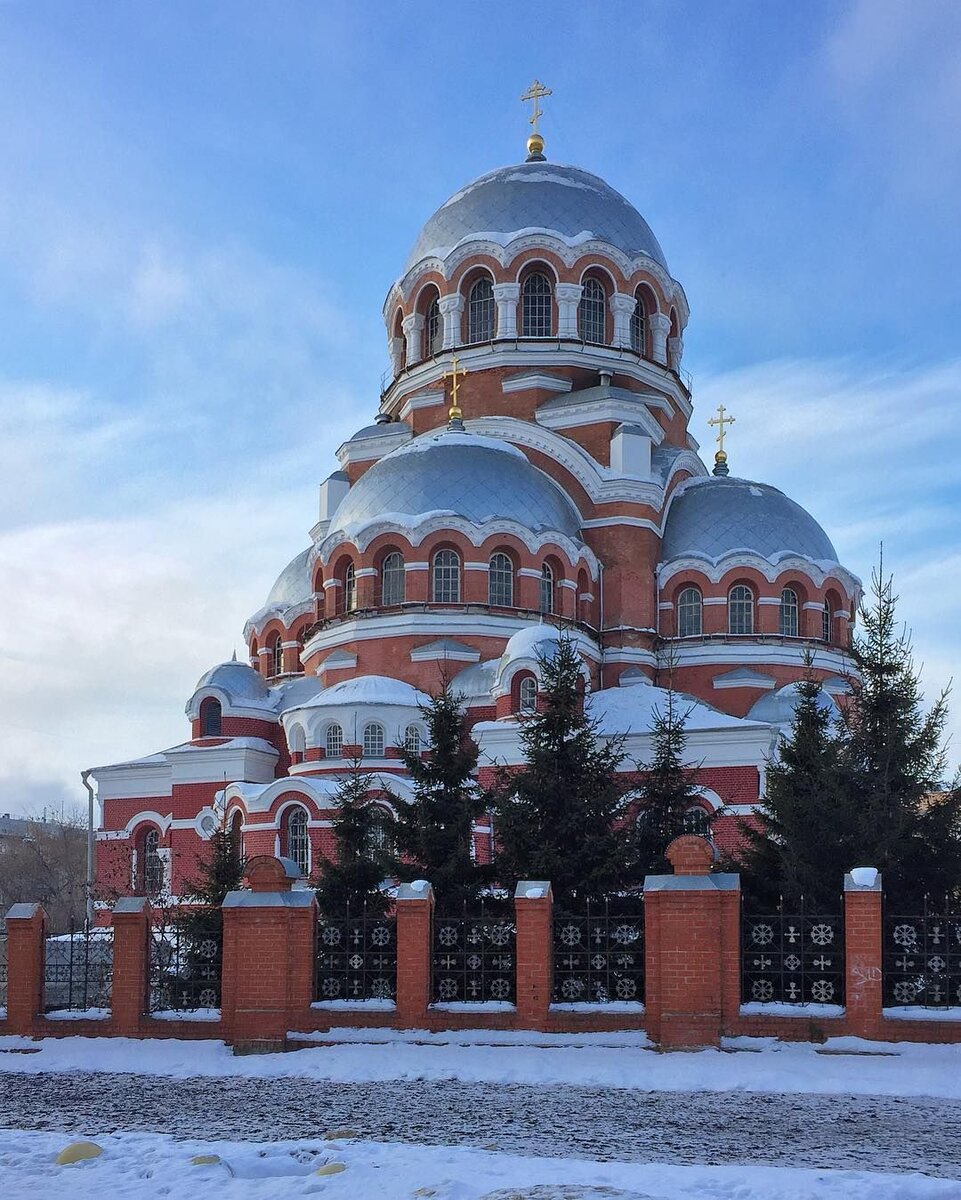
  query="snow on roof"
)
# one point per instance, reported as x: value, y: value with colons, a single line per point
x: 530, y: 642
x: 449, y: 437
x: 369, y: 689
x: 634, y: 709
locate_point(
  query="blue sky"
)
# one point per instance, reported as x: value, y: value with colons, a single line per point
x: 202, y: 208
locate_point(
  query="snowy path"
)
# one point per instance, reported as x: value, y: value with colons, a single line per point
x: 853, y: 1132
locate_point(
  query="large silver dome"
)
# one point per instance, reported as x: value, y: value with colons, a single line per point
x: 293, y: 584
x: 463, y: 474
x: 712, y: 518
x: 537, y: 195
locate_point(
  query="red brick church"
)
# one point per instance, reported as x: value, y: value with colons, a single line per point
x: 530, y: 470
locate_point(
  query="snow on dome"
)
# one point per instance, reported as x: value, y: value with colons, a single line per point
x: 293, y: 584
x: 461, y: 474
x: 634, y: 709
x: 243, y: 685
x: 533, y: 641
x: 369, y: 689
x: 777, y: 708
x: 716, y: 517
x: 567, y: 202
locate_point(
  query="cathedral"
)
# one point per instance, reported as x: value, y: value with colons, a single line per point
x: 530, y: 474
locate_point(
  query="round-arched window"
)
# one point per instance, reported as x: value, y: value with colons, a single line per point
x: 480, y: 312
x: 547, y: 590
x: 297, y: 840
x: 696, y: 820
x: 334, y: 741
x: 350, y: 588
x: 153, y: 868
x: 592, y: 312
x: 740, y: 609
x: 689, y: 613
x: 527, y: 695
x: 500, y: 581
x: 826, y: 621
x: 537, y: 315
x: 276, y: 647
x: 433, y: 329
x: 413, y: 742
x: 211, y: 713
x: 374, y: 740
x: 788, y: 613
x: 393, y: 579
x: 446, y: 577
x: 639, y: 325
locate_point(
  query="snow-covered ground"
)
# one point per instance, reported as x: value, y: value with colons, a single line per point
x: 144, y: 1166
x: 615, y: 1060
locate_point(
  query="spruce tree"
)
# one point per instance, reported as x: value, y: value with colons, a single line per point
x: 894, y: 762
x: 559, y: 817
x: 435, y: 829
x: 362, y: 861
x: 667, y: 789
x: 804, y: 838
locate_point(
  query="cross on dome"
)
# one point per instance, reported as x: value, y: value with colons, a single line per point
x: 535, y: 143
x: 455, y: 417
x: 720, y: 458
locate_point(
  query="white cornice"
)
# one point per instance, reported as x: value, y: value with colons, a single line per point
x: 714, y: 569
x: 374, y: 447
x: 729, y: 651
x: 526, y: 381
x: 577, y: 413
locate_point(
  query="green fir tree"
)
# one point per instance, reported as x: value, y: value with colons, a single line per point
x: 363, y: 860
x: 560, y: 817
x: 435, y: 829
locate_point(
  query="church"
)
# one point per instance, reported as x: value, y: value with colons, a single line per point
x: 530, y: 474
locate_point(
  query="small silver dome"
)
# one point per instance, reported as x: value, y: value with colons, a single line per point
x: 293, y: 584
x: 461, y: 474
x: 712, y: 518
x: 573, y: 203
x: 242, y: 684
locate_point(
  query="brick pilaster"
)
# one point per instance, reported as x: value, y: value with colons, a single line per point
x: 26, y: 949
x: 533, y: 908
x: 863, y: 996
x: 131, y: 964
x: 415, y: 914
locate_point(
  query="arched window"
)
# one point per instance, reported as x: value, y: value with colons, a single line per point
x: 527, y: 694
x: 276, y: 647
x: 536, y: 306
x: 381, y: 839
x: 696, y: 820
x: 826, y: 621
x: 297, y: 841
x: 237, y: 836
x: 413, y: 743
x: 433, y: 329
x: 297, y: 742
x: 393, y: 579
x: 547, y: 597
x: 592, y: 313
x: 500, y: 581
x: 740, y: 609
x: 639, y: 325
x: 480, y: 312
x: 689, y: 613
x: 789, y: 613
x: 374, y: 740
x: 446, y: 577
x: 350, y: 588
x: 210, y: 717
x: 153, y: 867
x: 334, y: 741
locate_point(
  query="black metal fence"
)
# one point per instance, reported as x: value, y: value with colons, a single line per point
x: 599, y: 956
x: 3, y: 971
x: 356, y: 958
x: 78, y: 970
x: 921, y: 963
x: 185, y: 969
x: 792, y: 958
x: 474, y: 959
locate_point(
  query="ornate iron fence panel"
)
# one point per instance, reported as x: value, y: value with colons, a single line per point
x: 792, y: 958
x: 78, y: 970
x: 474, y: 959
x: 599, y: 957
x: 356, y: 958
x: 185, y: 969
x: 3, y: 971
x: 921, y: 963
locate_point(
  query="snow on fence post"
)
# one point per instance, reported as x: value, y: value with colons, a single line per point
x: 268, y: 958
x: 415, y: 913
x: 26, y: 950
x: 863, y: 941
x: 533, y: 908
x: 131, y: 964
x: 692, y: 947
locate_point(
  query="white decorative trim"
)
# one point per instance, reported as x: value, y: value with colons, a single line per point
x: 715, y: 569
x: 567, y: 583
x: 477, y: 566
x: 528, y: 573
x: 734, y: 651
x: 365, y: 572
x: 416, y: 566
x: 530, y: 380
x: 421, y: 400
x: 591, y: 412
x: 376, y: 446
x: 743, y: 677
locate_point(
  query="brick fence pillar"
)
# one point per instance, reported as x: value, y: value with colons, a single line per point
x: 26, y: 951
x: 415, y: 914
x: 268, y: 962
x: 692, y: 947
x: 862, y: 952
x: 131, y: 964
x: 533, y: 908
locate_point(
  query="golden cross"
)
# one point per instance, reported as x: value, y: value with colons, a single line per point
x: 455, y: 376
x: 535, y: 92
x: 720, y: 421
